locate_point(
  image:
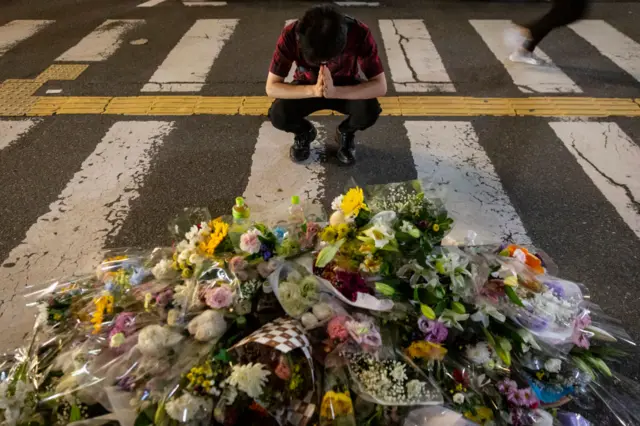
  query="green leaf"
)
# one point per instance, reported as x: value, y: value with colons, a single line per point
x: 75, y: 414
x: 458, y: 308
x: 223, y: 356
x: 143, y: 420
x: 582, y: 365
x: 440, y: 307
x: 490, y: 338
x: 328, y: 253
x: 385, y: 289
x: 511, y: 294
x: 427, y: 311
x: 504, y: 355
x: 600, y: 365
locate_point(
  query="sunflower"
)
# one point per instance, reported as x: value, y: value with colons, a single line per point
x: 353, y: 202
x: 218, y: 232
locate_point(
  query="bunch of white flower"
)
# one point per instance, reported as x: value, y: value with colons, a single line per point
x: 249, y: 378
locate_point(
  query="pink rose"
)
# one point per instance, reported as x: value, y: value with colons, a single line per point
x: 219, y: 297
x: 249, y: 241
x: 237, y: 264
x: 337, y: 330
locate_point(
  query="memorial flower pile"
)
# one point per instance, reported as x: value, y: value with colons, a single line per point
x: 366, y: 319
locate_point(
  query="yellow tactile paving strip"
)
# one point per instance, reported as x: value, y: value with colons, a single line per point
x: 17, y: 99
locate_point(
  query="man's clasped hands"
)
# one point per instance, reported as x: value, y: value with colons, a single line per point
x: 324, y: 87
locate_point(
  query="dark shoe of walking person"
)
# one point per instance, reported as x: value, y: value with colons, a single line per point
x: 301, y: 148
x: 346, y: 148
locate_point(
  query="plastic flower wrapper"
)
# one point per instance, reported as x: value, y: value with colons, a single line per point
x: 619, y: 394
x: 336, y: 407
x: 436, y: 416
x: 295, y: 287
x: 274, y: 367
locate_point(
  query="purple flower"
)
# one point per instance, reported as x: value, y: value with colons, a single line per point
x: 126, y: 383
x: 526, y: 398
x: 435, y: 331
x: 507, y: 386
x: 531, y: 321
x: 556, y: 288
x: 124, y: 323
x: 579, y: 337
x: 512, y: 396
x: 164, y: 298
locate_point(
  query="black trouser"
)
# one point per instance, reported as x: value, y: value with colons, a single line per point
x: 563, y: 12
x: 290, y: 115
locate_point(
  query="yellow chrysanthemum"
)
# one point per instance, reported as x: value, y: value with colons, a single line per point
x: 336, y: 404
x: 353, y: 202
x: 428, y: 350
x: 483, y: 415
x: 103, y: 304
x: 218, y: 232
x: 342, y: 230
x: 329, y: 234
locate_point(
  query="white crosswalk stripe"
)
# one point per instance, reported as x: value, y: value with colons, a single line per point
x: 414, y: 62
x: 102, y: 42
x: 151, y: 3
x: 529, y: 78
x: 623, y: 51
x: 69, y: 238
x: 16, y: 31
x: 611, y: 160
x: 448, y: 154
x: 267, y: 192
x: 12, y: 130
x: 186, y: 67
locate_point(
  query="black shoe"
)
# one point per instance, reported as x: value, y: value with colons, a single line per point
x: 301, y: 148
x: 347, y: 151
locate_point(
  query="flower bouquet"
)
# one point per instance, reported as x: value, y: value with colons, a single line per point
x: 337, y: 406
x: 297, y: 289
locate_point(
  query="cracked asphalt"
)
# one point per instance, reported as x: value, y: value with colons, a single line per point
x: 206, y: 160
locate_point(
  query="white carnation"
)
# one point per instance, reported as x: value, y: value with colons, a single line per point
x: 415, y: 389
x: 249, y: 378
x: 309, y: 320
x: 322, y: 311
x: 553, y: 365
x: 479, y: 354
x: 458, y: 398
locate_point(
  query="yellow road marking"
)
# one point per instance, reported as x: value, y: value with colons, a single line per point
x: 17, y: 99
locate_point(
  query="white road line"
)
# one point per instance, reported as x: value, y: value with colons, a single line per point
x: 529, y: 78
x: 12, y: 130
x: 151, y: 3
x: 623, y: 51
x: 448, y: 155
x: 93, y: 206
x: 186, y: 67
x: 16, y: 31
x: 414, y: 61
x: 357, y: 3
x: 204, y: 3
x: 292, y: 71
x: 611, y: 159
x: 101, y: 43
x: 268, y: 193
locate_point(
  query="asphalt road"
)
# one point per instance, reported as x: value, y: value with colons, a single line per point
x: 209, y: 160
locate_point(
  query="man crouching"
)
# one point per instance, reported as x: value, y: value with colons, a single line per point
x: 327, y: 48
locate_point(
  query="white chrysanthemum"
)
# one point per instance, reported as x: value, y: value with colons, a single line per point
x: 553, y: 365
x: 249, y: 378
x: 337, y: 202
x: 398, y: 373
x: 479, y: 354
x: 163, y: 270
x: 188, y: 407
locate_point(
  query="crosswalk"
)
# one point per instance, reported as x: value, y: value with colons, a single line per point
x: 413, y: 56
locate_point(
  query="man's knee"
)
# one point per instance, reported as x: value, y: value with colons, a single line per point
x: 366, y: 114
x: 278, y: 114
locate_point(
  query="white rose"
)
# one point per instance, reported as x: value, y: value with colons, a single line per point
x: 458, y: 398
x: 553, y: 365
x: 322, y: 311
x: 309, y: 320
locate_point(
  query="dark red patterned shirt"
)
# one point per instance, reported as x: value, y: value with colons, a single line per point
x: 361, y: 49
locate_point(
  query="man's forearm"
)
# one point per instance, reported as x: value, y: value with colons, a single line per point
x: 365, y: 90
x: 289, y: 91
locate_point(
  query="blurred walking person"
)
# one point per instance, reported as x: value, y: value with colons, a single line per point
x: 525, y: 38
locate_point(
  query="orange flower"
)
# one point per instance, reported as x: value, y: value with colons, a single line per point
x: 428, y: 350
x: 531, y: 260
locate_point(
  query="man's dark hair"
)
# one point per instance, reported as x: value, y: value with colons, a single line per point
x: 322, y: 33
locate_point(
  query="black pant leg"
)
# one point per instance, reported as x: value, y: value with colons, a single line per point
x: 289, y: 115
x: 563, y: 12
x: 361, y: 114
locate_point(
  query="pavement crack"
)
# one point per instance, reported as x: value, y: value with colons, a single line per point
x: 635, y: 204
x: 402, y: 39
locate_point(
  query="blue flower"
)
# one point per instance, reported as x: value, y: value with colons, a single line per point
x: 139, y: 274
x: 280, y: 233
